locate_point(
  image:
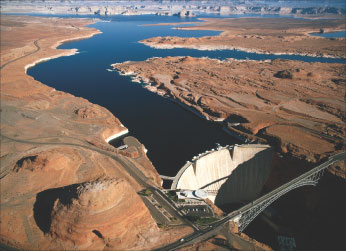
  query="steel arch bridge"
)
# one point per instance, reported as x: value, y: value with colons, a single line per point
x: 243, y: 216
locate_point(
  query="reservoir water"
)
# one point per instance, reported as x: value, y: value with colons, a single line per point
x: 171, y: 134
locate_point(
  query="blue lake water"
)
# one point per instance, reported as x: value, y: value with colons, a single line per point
x: 171, y: 134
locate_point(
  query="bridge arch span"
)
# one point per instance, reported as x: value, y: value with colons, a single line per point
x: 247, y: 213
x: 248, y: 216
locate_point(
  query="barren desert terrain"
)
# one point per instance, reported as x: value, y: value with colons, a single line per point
x: 261, y: 35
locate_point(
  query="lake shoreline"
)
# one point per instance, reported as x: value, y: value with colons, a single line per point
x: 260, y: 35
x: 227, y: 47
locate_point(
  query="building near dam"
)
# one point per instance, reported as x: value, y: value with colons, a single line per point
x: 231, y: 174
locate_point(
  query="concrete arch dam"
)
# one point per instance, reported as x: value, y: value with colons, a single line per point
x: 230, y: 174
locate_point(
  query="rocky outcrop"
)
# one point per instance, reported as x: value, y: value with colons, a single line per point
x: 284, y: 74
x: 90, y: 112
x: 107, y: 210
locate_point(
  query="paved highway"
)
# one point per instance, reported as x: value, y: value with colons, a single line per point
x: 33, y: 52
x: 30, y: 53
x: 157, y: 215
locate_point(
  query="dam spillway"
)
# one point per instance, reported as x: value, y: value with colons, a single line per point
x: 230, y: 174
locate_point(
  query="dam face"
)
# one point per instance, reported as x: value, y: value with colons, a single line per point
x: 229, y: 174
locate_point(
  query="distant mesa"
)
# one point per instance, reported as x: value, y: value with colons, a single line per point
x: 185, y: 13
x: 108, y: 8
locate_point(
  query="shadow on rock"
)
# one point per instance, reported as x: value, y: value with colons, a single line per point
x: 45, y: 202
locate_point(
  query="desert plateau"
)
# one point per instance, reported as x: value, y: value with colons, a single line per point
x: 262, y: 35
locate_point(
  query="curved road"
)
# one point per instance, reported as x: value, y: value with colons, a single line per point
x: 129, y: 167
x: 30, y: 53
x: 33, y: 52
